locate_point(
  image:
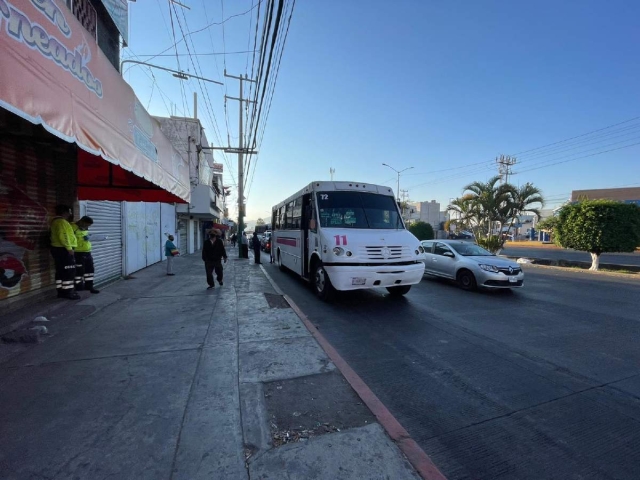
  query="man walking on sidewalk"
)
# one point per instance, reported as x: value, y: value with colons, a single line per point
x: 84, y: 260
x: 213, y: 252
x: 63, y: 241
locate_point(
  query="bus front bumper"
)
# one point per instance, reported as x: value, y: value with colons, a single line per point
x: 355, y: 277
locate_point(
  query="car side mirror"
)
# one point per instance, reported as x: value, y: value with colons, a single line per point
x: 448, y: 254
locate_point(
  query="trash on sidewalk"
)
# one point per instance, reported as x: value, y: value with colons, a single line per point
x: 41, y: 329
x: 523, y: 260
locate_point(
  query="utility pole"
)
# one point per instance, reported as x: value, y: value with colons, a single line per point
x: 240, y: 151
x: 404, y: 194
x: 505, y: 162
x: 332, y: 171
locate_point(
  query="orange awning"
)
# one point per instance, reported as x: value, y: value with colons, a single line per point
x: 53, y: 73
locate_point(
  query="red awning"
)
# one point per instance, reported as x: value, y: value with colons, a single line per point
x: 53, y: 73
x: 219, y: 226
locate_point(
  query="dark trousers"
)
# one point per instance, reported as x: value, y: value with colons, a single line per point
x: 210, y: 266
x: 245, y: 251
x: 84, y: 271
x: 256, y: 254
x: 65, y: 271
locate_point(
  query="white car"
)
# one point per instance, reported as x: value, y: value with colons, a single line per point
x: 470, y: 265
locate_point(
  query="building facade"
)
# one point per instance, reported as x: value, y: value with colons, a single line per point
x: 430, y: 213
x: 73, y: 132
x: 206, y: 208
x: 625, y: 195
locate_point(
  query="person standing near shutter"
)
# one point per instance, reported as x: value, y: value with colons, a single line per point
x: 63, y: 241
x: 84, y: 259
x: 170, y: 251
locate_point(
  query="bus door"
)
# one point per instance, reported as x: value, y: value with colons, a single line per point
x: 308, y: 213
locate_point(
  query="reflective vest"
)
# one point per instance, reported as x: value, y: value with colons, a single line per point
x: 82, y: 237
x: 62, y: 234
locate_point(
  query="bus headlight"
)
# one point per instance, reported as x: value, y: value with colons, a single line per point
x: 338, y: 251
x: 349, y: 253
x: 421, y: 249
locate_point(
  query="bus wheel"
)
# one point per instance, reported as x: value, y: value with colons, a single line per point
x: 399, y: 290
x: 280, y: 264
x: 321, y: 283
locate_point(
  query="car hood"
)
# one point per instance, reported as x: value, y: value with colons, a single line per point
x: 495, y: 261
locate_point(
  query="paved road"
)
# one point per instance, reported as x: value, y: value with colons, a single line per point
x: 561, y: 254
x: 540, y: 383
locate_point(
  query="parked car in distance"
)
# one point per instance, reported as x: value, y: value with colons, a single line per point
x: 266, y: 242
x: 470, y: 265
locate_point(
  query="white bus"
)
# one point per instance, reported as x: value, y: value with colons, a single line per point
x: 346, y: 236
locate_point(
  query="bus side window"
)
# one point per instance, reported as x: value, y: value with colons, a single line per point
x: 289, y: 216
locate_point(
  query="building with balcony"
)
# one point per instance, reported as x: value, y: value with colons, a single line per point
x: 206, y: 207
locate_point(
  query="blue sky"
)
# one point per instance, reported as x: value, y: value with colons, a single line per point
x: 443, y: 87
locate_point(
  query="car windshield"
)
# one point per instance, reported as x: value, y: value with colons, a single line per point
x: 358, y: 210
x: 470, y: 249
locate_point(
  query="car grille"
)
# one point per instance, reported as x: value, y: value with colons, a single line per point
x: 378, y: 253
x: 505, y: 270
x: 502, y: 283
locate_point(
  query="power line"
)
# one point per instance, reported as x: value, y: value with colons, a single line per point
x: 275, y: 80
x: 204, y: 28
x: 580, y: 158
x: 173, y: 31
x: 585, y: 142
x: 205, y: 93
x: 578, y: 136
x: 198, y: 54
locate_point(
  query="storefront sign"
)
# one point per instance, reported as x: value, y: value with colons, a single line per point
x: 53, y: 73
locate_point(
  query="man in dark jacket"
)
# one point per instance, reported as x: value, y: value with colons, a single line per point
x: 213, y: 252
x: 255, y: 243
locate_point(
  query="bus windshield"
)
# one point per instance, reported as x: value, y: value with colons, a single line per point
x: 357, y: 210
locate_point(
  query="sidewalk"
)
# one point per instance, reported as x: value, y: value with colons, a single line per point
x: 168, y: 380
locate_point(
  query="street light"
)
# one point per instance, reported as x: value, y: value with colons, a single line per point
x: 398, y: 172
x: 176, y: 73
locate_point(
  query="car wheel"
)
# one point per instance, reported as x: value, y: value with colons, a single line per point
x: 399, y: 290
x: 466, y: 280
x: 321, y: 283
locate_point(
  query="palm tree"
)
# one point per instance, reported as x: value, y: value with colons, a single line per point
x: 524, y: 200
x: 466, y: 215
x: 486, y: 204
x: 491, y: 203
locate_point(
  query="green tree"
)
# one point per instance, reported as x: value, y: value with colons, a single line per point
x: 488, y: 207
x: 599, y: 226
x: 524, y: 200
x: 549, y: 224
x: 422, y: 230
x: 260, y: 221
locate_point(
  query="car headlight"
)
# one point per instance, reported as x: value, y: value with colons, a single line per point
x: 489, y: 268
x: 338, y: 251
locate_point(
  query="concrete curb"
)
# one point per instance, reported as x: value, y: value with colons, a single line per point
x: 416, y: 456
x: 574, y: 263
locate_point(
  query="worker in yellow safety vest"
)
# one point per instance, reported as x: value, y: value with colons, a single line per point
x: 63, y: 241
x: 84, y: 260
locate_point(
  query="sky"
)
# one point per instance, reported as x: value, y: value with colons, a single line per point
x: 443, y: 87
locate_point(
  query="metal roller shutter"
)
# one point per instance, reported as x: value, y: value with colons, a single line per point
x: 34, y: 177
x: 107, y: 254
